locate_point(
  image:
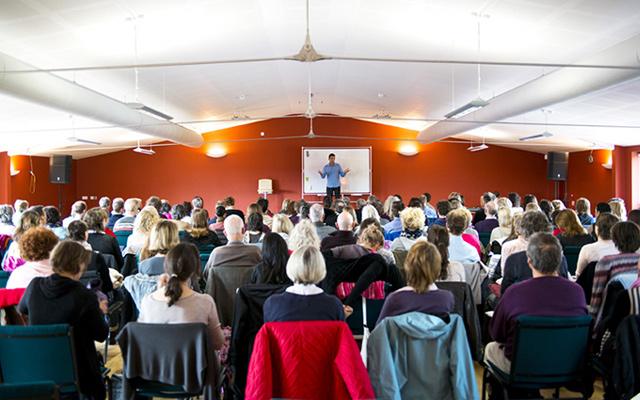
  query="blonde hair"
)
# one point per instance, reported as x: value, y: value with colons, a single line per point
x: 163, y: 237
x: 388, y: 204
x: 306, y: 265
x: 504, y: 217
x: 583, y: 206
x: 372, y: 236
x: 504, y: 202
x: 558, y: 205
x: 532, y: 207
x: 618, y: 209
x: 412, y: 218
x: 199, y: 223
x: 145, y: 220
x: 281, y: 223
x: 304, y: 234
x: 422, y: 266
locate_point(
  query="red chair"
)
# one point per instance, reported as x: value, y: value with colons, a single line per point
x: 307, y: 360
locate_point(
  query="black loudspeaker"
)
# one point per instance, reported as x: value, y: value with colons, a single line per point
x: 557, y: 166
x: 59, y: 169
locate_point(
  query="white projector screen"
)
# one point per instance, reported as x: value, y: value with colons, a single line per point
x: 357, y: 181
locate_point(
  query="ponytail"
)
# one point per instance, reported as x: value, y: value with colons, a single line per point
x: 439, y: 236
x: 173, y: 289
x: 180, y: 264
x: 444, y: 255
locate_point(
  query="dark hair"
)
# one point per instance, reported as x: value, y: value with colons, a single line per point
x: 396, y: 208
x: 187, y: 208
x: 326, y: 202
x: 254, y: 222
x: 264, y: 203
x: 603, y: 207
x: 515, y: 199
x: 626, y: 236
x: 180, y: 264
x: 77, y: 230
x: 415, y: 202
x: 604, y: 223
x: 94, y: 219
x: 154, y: 201
x: 370, y: 221
x: 443, y: 207
x: 534, y: 222
x: 339, y: 208
x: 488, y: 196
x: 428, y: 196
x: 275, y: 255
x: 439, y: 236
x: 398, y: 196
x: 546, y: 207
x: 220, y: 211
x: 529, y: 198
x: 634, y: 216
x: 53, y: 216
x: 331, y: 155
x: 177, y: 212
x: 545, y: 253
x: 38, y: 209
x: 305, y: 209
x: 165, y: 208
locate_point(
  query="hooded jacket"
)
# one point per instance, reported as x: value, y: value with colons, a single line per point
x: 60, y: 300
x: 420, y: 356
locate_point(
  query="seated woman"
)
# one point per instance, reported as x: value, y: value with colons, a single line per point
x: 174, y: 302
x: 142, y: 225
x: 177, y: 213
x: 422, y: 267
x: 282, y: 226
x: 54, y: 222
x: 78, y: 232
x: 460, y: 249
x: 35, y: 246
x: 199, y: 232
x: 370, y: 240
x: 573, y: 233
x: 504, y: 228
x: 163, y: 237
x: 61, y: 299
x: 452, y: 271
x: 255, y: 227
x: 28, y: 220
x: 99, y: 241
x: 304, y: 301
x: 583, y: 208
x: 304, y: 234
x: 272, y: 269
x: 412, y: 219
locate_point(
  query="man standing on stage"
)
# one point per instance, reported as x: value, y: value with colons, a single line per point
x: 333, y: 172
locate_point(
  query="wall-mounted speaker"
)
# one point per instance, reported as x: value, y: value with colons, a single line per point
x: 557, y: 166
x: 59, y: 169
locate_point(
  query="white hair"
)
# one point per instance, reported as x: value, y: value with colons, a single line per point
x: 316, y: 212
x: 306, y: 265
x: 345, y: 221
x: 370, y: 211
x: 233, y: 225
x: 304, y: 234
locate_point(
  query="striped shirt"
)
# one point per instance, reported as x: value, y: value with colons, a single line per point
x: 607, y: 268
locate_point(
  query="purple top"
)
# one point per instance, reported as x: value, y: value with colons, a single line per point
x: 547, y: 296
x: 404, y: 301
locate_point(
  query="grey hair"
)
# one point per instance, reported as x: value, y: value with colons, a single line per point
x: 197, y: 202
x: 104, y: 202
x: 370, y: 211
x: 118, y: 204
x: 6, y: 212
x: 545, y: 253
x: 304, y: 234
x: 306, y: 265
x: 534, y: 222
x: 316, y: 212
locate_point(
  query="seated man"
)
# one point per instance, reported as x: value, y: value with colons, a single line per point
x: 316, y: 215
x: 546, y: 295
x: 234, y: 253
x: 125, y: 224
x: 490, y: 222
x: 443, y: 207
x: 395, y: 225
x: 343, y: 236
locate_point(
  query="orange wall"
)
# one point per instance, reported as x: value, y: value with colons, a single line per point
x: 5, y: 179
x: 45, y: 193
x: 178, y: 173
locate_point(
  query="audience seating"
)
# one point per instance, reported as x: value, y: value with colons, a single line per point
x: 38, y: 353
x: 571, y: 253
x: 466, y: 308
x: 400, y: 256
x: 484, y: 238
x: 421, y: 356
x: 9, y: 300
x: 547, y: 353
x: 122, y: 237
x: 474, y: 275
x: 168, y: 361
x: 314, y: 360
x: 4, y: 277
x: 626, y: 371
x: 44, y: 390
x: 222, y: 284
x: 585, y: 280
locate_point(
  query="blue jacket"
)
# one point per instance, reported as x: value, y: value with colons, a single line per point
x: 420, y: 356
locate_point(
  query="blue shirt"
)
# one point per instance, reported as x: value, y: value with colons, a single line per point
x: 333, y: 173
x: 459, y: 250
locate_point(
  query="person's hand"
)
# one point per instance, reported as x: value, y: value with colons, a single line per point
x: 346, y: 171
x: 347, y: 311
x: 104, y: 306
x: 162, y: 280
x: 320, y: 172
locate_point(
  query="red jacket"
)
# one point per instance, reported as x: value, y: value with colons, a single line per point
x: 307, y: 360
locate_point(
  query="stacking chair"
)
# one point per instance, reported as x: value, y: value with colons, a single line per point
x: 484, y: 238
x: 30, y: 354
x: 4, y: 277
x: 168, y: 361
x: 572, y: 253
x: 548, y: 352
x: 45, y: 390
x: 223, y: 283
x: 122, y: 237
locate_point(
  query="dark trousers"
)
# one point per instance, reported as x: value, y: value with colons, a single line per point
x: 333, y: 191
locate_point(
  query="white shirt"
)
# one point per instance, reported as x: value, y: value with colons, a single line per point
x: 512, y: 246
x: 304, y: 290
x: 594, y: 252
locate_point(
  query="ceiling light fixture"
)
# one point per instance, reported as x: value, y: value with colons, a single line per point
x: 141, y: 150
x: 477, y: 103
x: 73, y: 137
x: 544, y: 134
x: 216, y: 153
x: 148, y: 110
x: 479, y: 147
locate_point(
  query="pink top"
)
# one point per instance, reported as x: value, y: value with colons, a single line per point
x: 23, y: 275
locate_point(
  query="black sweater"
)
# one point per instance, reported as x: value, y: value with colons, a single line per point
x: 59, y: 300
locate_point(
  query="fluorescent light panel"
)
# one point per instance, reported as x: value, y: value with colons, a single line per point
x: 467, y: 108
x: 75, y: 139
x: 544, y: 134
x: 148, y: 110
x: 144, y: 151
x: 478, y: 148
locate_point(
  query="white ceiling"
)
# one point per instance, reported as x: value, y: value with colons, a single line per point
x: 77, y: 35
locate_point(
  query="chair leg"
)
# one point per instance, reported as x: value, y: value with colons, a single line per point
x: 484, y: 384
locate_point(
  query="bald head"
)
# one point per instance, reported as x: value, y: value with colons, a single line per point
x: 345, y: 221
x: 233, y: 227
